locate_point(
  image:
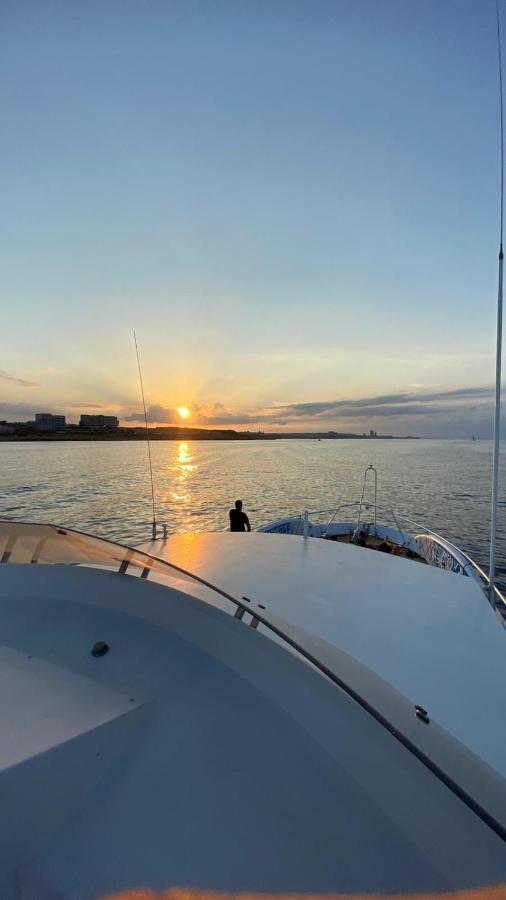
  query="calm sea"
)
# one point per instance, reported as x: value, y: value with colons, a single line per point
x: 104, y: 487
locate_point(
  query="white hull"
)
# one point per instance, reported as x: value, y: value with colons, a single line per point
x: 159, y: 731
x: 428, y: 632
x: 413, y: 541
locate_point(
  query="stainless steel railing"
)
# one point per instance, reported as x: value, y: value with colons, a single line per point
x: 24, y: 543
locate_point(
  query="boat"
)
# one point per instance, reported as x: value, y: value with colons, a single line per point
x: 162, y: 730
x: 396, y: 534
x: 315, y: 708
x: 409, y: 605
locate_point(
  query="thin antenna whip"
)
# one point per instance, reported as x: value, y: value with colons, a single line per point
x: 498, y: 358
x: 153, y: 527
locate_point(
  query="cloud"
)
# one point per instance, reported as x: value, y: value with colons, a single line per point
x: 22, y: 412
x: 19, y: 410
x: 406, y: 403
x: 79, y: 405
x: 167, y: 415
x: 162, y: 415
x: 444, y: 411
x: 22, y: 382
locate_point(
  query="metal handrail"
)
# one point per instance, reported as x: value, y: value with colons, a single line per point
x: 401, y: 735
x: 343, y: 506
x: 130, y: 555
x: 380, y: 508
x: 369, y: 469
x: 347, y: 504
x: 126, y: 559
x: 398, y: 726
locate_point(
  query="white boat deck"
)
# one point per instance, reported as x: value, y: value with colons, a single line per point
x: 197, y: 752
x: 429, y: 633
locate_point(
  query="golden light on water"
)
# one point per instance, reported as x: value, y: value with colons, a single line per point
x: 184, y: 459
x: 183, y: 411
x: 181, y: 497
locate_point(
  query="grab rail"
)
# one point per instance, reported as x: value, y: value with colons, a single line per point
x: 51, y: 545
x: 434, y: 748
x: 339, y: 508
x: 369, y: 469
x: 405, y: 519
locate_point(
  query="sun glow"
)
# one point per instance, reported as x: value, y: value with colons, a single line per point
x: 183, y: 411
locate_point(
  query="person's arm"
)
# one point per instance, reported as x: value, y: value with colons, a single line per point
x: 248, y: 526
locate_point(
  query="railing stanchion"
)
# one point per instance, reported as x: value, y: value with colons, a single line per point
x: 369, y: 469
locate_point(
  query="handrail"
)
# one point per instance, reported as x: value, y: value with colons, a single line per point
x: 343, y: 506
x: 397, y: 721
x: 369, y: 469
x: 347, y: 504
x: 130, y: 556
x: 417, y: 749
x: 351, y: 503
x: 404, y: 537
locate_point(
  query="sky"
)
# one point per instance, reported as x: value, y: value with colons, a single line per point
x: 294, y: 204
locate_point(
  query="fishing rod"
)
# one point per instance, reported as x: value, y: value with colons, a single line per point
x: 153, y: 526
x: 498, y: 358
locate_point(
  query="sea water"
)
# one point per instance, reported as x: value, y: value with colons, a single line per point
x: 103, y: 486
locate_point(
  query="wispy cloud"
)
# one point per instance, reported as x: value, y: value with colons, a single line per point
x: 79, y: 405
x: 22, y: 382
x: 400, y: 404
x: 22, y: 411
x: 413, y: 405
x: 17, y: 410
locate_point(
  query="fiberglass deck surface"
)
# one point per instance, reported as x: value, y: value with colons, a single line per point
x: 428, y: 632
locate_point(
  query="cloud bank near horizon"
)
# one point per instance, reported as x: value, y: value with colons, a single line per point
x: 438, y: 412
x: 460, y: 407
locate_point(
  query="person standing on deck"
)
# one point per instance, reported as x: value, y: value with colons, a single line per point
x: 238, y: 519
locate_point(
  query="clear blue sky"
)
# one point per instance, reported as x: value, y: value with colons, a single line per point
x: 295, y: 204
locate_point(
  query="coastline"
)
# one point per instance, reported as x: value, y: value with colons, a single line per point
x: 188, y: 434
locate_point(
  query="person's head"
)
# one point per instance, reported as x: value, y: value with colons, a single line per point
x: 238, y: 504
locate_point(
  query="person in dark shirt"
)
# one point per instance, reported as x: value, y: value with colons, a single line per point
x: 238, y: 519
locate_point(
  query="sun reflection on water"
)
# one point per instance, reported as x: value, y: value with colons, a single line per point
x: 182, y: 469
x: 184, y: 459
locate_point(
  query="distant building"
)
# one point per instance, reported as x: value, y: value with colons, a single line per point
x: 6, y: 428
x: 373, y: 433
x: 98, y: 421
x: 48, y: 422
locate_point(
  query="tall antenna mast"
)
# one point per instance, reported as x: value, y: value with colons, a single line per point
x: 153, y: 526
x: 498, y: 358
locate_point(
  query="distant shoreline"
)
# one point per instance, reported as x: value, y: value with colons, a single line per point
x: 189, y: 434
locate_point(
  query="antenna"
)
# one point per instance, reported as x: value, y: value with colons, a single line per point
x: 153, y: 527
x: 498, y: 358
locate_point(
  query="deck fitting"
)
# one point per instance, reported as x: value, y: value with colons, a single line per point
x: 100, y: 648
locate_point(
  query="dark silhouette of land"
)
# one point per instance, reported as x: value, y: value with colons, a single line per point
x: 176, y: 433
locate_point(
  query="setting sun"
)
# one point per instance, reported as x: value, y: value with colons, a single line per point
x: 183, y: 411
